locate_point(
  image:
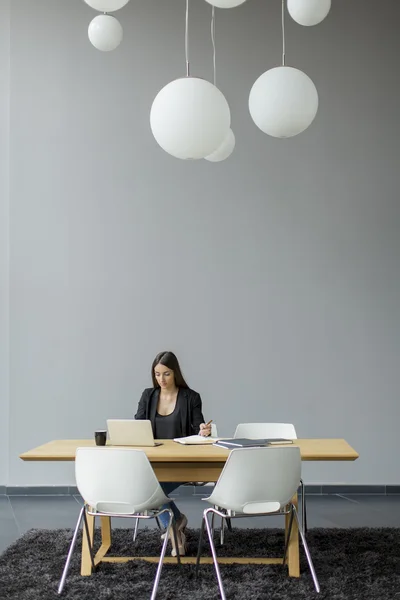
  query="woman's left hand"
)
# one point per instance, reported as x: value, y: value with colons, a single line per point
x: 205, y: 430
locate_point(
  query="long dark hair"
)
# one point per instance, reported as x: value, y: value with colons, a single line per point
x: 168, y: 359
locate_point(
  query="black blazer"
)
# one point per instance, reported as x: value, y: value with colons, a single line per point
x: 190, y: 409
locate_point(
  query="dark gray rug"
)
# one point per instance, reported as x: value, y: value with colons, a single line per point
x: 352, y: 564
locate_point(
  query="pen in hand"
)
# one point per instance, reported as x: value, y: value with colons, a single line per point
x: 205, y: 426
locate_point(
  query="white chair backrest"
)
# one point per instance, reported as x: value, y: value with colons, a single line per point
x: 265, y: 430
x: 119, y: 480
x: 258, y: 479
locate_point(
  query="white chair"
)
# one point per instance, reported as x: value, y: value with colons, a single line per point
x: 256, y: 482
x: 274, y: 430
x: 118, y: 482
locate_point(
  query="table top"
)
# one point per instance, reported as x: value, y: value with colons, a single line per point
x: 170, y: 451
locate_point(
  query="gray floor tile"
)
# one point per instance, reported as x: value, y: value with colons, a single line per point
x: 390, y: 502
x: 8, y: 527
x: 20, y: 513
x: 384, y: 511
x: 48, y: 512
x: 7, y: 540
x: 344, y: 512
x: 6, y: 511
x: 9, y: 531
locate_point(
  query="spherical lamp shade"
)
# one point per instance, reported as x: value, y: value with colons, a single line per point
x: 105, y: 33
x: 106, y: 6
x: 225, y: 3
x: 283, y: 102
x: 224, y: 150
x: 308, y: 12
x: 190, y: 118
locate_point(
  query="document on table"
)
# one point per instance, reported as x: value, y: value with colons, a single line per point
x: 195, y: 439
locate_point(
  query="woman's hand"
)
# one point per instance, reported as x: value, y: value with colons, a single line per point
x: 205, y: 429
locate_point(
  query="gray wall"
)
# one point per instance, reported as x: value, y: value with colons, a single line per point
x: 274, y: 275
x: 4, y: 224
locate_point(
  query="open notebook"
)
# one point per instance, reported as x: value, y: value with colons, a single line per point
x: 195, y: 439
x: 251, y: 443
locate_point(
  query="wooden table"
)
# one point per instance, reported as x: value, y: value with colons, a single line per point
x: 176, y: 462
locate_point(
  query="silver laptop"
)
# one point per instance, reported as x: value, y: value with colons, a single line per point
x: 129, y: 432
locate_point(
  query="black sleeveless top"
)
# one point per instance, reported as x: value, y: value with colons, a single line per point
x: 168, y: 427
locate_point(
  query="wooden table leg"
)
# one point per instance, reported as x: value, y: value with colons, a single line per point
x: 105, y: 539
x: 86, y: 564
x: 293, y: 558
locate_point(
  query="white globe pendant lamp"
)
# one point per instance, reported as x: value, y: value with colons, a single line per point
x: 226, y: 3
x: 283, y: 101
x: 106, y: 6
x: 105, y: 33
x: 190, y: 116
x: 308, y: 12
x: 224, y: 150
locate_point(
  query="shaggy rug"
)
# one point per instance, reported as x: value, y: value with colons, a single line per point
x: 352, y: 564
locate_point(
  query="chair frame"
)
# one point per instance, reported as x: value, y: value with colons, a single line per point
x: 136, y: 528
x: 227, y: 521
x: 86, y: 510
x: 303, y: 507
x: 207, y: 523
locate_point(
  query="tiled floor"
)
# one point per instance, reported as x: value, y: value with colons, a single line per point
x: 20, y: 513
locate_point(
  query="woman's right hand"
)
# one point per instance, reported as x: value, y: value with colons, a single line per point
x: 205, y: 429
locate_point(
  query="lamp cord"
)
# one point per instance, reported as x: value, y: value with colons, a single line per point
x: 283, y: 35
x: 213, y: 43
x: 187, y: 39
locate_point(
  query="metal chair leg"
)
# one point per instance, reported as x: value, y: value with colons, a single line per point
x: 303, y: 506
x: 200, y: 547
x: 289, y: 533
x: 161, y: 561
x: 135, y: 531
x: 308, y: 555
x: 222, y: 534
x: 225, y: 524
x: 214, y: 554
x: 71, y: 549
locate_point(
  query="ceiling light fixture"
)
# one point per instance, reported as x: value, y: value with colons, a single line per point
x: 283, y: 101
x: 190, y: 117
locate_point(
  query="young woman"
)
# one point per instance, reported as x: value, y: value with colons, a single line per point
x: 174, y: 411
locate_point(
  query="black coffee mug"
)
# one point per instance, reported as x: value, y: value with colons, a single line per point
x: 100, y: 437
